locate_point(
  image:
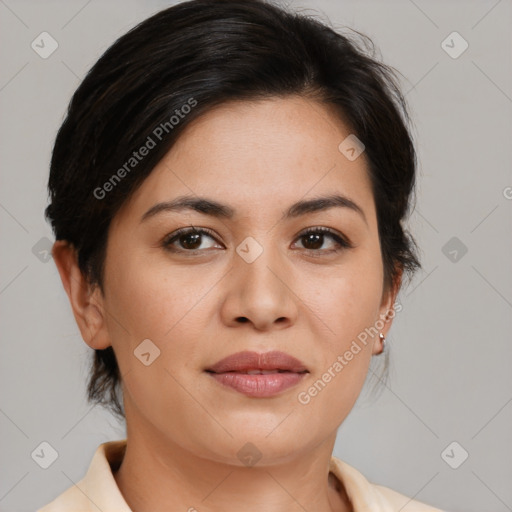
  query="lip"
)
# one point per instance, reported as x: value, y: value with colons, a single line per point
x: 284, y: 372
x: 246, y: 361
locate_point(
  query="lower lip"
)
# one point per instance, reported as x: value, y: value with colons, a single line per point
x: 259, y: 386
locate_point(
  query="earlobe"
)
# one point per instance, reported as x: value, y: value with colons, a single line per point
x: 378, y: 344
x: 86, y: 300
x: 386, y: 314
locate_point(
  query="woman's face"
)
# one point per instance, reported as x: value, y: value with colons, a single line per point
x: 254, y: 282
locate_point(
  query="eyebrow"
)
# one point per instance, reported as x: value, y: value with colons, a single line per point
x: 213, y: 208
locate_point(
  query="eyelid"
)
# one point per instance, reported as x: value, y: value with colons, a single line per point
x: 343, y: 240
x: 167, y: 240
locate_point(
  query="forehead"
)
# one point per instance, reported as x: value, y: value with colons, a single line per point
x: 261, y: 155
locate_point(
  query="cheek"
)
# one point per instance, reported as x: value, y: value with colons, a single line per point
x: 155, y: 300
x: 347, y: 298
x: 161, y: 305
x: 169, y: 305
x: 346, y: 303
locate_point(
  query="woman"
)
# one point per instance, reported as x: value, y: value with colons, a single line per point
x: 227, y: 192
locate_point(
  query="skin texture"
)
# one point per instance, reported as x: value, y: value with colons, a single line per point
x: 184, y: 429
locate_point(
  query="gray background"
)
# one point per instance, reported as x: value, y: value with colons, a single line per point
x: 450, y: 346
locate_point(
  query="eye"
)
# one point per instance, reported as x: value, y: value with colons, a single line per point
x: 190, y: 239
x: 314, y: 238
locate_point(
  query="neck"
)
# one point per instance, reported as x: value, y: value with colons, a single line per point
x: 156, y: 473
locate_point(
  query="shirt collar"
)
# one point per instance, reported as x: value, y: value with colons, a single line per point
x: 99, y: 484
x: 98, y: 489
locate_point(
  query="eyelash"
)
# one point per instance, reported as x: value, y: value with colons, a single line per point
x: 342, y: 242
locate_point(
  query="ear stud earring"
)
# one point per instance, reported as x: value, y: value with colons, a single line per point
x: 383, y: 341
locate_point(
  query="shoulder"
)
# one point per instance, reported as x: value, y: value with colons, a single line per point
x: 71, y: 499
x: 97, y: 490
x: 365, y: 495
x: 403, y: 503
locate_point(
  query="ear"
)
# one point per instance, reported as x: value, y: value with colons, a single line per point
x: 387, y: 311
x: 86, y: 300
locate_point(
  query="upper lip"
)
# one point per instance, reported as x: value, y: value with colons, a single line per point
x: 247, y: 361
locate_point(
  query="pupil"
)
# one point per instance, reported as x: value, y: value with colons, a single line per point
x: 316, y: 239
x: 189, y: 236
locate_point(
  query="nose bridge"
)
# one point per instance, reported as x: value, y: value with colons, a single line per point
x: 259, y: 262
x: 260, y: 281
x: 259, y: 288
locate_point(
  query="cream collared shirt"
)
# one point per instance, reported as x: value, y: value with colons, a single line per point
x: 98, y: 489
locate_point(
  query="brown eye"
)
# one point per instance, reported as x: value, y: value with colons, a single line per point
x: 190, y: 240
x: 187, y: 240
x: 314, y: 238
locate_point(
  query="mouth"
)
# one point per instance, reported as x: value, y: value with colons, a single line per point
x: 256, y: 372
x: 258, y: 375
x: 249, y: 362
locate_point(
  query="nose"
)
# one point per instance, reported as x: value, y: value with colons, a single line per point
x: 260, y: 293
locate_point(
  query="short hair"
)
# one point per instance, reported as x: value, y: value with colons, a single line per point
x: 180, y: 63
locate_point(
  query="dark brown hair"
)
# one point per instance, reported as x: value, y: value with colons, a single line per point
x: 180, y: 63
